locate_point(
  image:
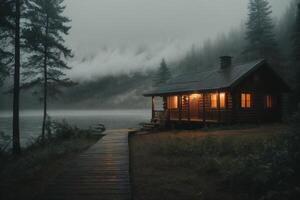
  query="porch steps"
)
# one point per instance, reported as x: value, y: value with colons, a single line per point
x: 149, y: 126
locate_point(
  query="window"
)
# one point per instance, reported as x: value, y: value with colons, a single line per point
x: 173, y: 102
x: 246, y: 100
x: 195, y: 96
x: 269, y: 101
x: 213, y: 100
x: 222, y: 100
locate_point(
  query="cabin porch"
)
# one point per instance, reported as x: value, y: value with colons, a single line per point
x: 201, y: 108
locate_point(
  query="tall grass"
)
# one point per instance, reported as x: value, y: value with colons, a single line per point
x: 42, y: 160
x: 262, y: 166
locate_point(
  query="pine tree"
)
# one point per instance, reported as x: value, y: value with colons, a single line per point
x: 163, y: 74
x: 296, y: 38
x: 260, y: 31
x: 6, y: 32
x: 10, y: 47
x: 16, y: 90
x: 44, y: 39
x: 296, y: 51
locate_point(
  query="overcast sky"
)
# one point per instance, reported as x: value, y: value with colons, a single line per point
x: 122, y: 35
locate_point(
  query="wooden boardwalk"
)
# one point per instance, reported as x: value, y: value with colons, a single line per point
x: 100, y: 173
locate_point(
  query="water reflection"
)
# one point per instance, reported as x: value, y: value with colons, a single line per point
x: 30, y: 120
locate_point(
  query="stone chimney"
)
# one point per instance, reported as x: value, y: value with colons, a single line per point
x: 225, y: 61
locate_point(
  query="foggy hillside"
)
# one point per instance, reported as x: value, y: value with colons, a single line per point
x: 113, y: 91
x: 116, y: 77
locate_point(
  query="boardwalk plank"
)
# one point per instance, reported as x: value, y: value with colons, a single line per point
x: 100, y: 173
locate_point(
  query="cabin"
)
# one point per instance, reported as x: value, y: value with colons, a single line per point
x: 245, y: 93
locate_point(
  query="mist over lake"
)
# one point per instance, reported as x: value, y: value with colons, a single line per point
x: 31, y: 120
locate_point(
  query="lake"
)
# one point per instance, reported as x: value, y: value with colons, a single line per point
x: 31, y: 120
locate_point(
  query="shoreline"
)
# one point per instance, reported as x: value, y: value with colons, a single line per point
x: 26, y: 176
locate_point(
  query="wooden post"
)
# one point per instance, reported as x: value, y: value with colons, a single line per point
x: 168, y: 107
x: 226, y: 107
x: 166, y: 114
x: 219, y: 107
x: 234, y: 107
x: 180, y: 107
x: 153, y: 108
x: 188, y: 103
x: 204, y: 117
x: 198, y: 108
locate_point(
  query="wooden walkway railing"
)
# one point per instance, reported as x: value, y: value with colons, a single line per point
x: 100, y: 173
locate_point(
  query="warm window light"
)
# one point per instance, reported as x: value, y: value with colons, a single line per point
x: 195, y: 96
x: 269, y: 102
x: 246, y: 100
x: 243, y: 100
x: 173, y: 102
x: 222, y: 100
x: 185, y: 98
x: 213, y: 100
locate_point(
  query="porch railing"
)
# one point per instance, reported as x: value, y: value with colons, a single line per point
x: 159, y: 116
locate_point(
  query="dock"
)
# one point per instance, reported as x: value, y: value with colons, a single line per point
x: 100, y: 173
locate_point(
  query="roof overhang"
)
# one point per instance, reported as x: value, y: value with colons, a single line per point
x: 185, y: 92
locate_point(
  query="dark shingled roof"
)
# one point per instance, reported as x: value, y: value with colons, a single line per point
x: 210, y: 80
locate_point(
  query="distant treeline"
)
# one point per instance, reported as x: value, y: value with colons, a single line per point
x: 113, y: 91
x: 125, y: 90
x: 235, y: 43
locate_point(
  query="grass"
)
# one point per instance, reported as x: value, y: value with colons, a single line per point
x: 27, y: 175
x: 243, y: 164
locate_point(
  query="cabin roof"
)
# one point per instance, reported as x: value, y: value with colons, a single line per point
x: 210, y: 80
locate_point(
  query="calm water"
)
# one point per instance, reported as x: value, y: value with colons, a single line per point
x: 30, y: 121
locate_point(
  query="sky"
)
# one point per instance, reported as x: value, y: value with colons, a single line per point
x: 114, y: 36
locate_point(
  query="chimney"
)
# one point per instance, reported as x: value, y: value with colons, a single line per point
x: 225, y: 62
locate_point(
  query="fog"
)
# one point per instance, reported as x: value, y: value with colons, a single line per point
x: 113, y: 36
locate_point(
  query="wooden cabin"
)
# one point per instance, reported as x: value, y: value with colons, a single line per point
x: 246, y: 93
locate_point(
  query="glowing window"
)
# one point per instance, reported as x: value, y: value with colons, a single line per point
x: 195, y: 96
x: 213, y: 100
x: 222, y: 100
x: 269, y: 101
x: 246, y: 100
x: 173, y: 102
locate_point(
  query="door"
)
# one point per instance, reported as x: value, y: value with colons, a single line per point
x: 195, y: 106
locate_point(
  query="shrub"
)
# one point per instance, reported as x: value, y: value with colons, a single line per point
x: 271, y: 171
x: 4, y: 142
x: 59, y: 131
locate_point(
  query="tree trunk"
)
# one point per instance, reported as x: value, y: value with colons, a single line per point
x: 16, y: 98
x: 45, y: 80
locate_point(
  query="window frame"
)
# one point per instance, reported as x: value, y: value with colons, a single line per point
x: 269, y: 103
x: 216, y: 101
x: 246, y: 103
x: 220, y: 102
x: 170, y: 99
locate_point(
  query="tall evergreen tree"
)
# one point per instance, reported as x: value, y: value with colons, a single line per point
x: 10, y: 47
x: 260, y: 31
x: 16, y: 90
x: 6, y: 32
x: 296, y: 38
x: 163, y: 74
x: 296, y: 50
x: 44, y: 40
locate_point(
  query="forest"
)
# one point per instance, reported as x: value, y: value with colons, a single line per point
x: 41, y: 73
x: 153, y: 160
x: 129, y: 87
